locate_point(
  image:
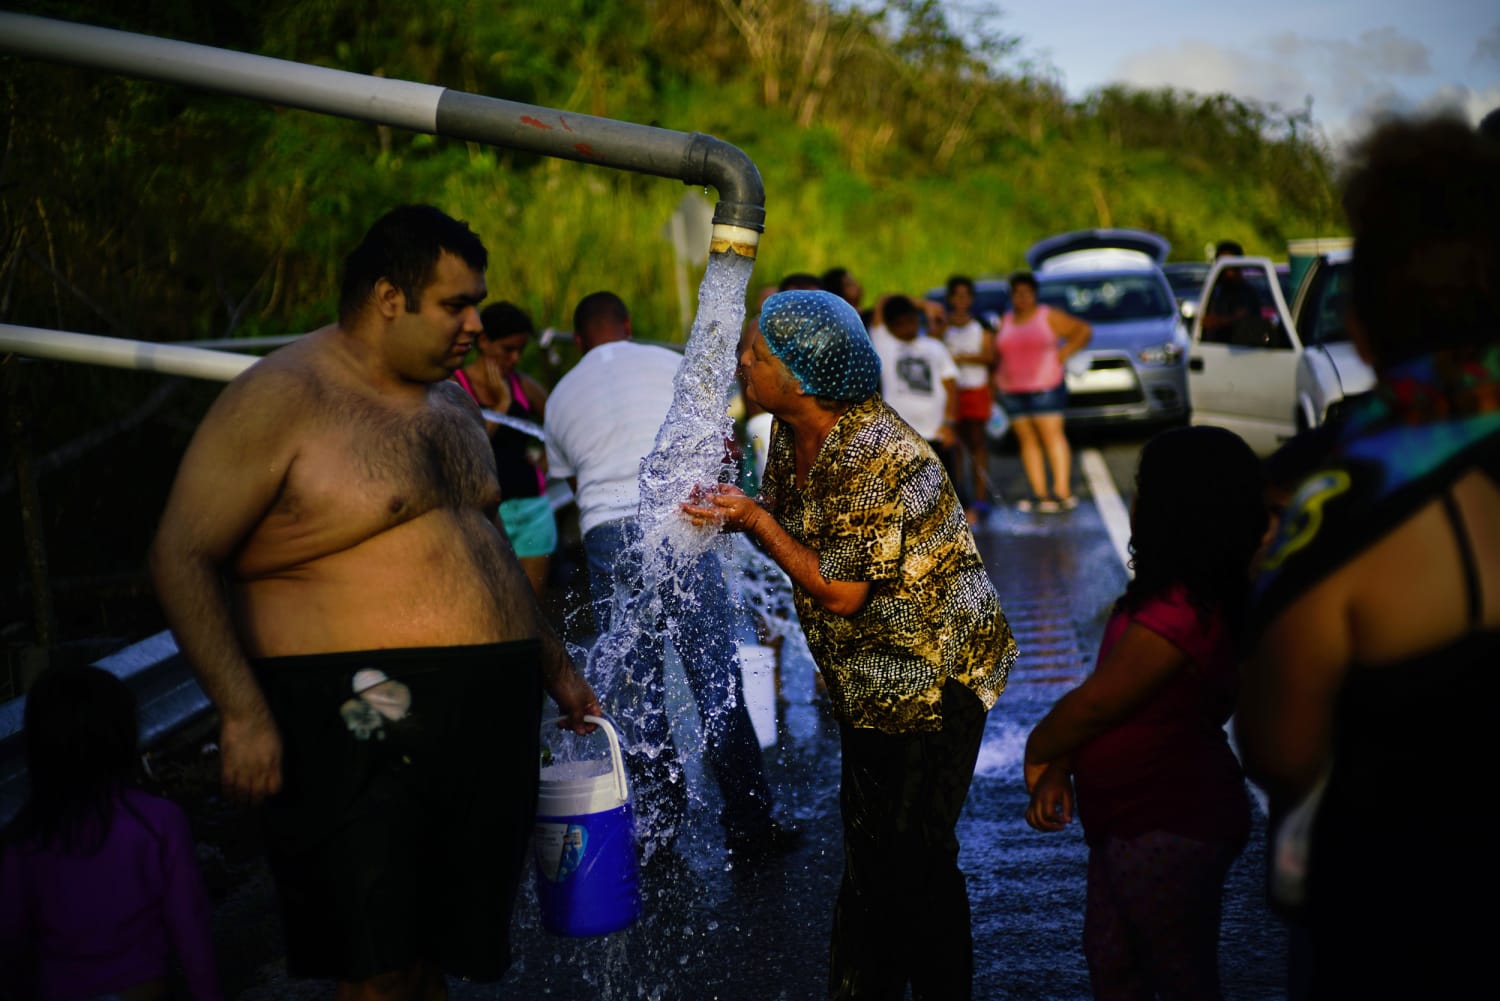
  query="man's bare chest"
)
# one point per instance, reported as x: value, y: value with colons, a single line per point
x: 366, y: 462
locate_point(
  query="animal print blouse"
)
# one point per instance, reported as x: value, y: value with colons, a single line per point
x: 877, y: 506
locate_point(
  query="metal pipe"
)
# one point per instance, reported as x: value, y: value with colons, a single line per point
x: 117, y: 352
x: 693, y: 158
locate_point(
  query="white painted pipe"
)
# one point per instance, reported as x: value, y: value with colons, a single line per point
x: 119, y: 352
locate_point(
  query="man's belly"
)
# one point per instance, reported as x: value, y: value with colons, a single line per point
x: 418, y: 586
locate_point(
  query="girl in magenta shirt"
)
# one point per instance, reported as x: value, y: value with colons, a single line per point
x: 1141, y: 742
x: 99, y: 881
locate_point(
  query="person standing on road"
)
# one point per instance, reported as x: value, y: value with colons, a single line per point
x: 602, y: 420
x: 919, y: 380
x: 1371, y: 683
x: 971, y: 341
x: 903, y: 623
x: 495, y: 383
x: 1159, y: 791
x: 1033, y: 348
x: 331, y: 567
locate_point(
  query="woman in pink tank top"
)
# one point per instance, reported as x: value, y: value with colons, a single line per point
x: 1034, y: 343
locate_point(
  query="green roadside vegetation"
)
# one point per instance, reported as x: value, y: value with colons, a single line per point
x: 889, y: 142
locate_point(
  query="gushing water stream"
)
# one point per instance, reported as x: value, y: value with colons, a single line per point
x: 689, y: 451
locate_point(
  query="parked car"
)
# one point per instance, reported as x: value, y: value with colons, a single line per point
x: 1134, y: 368
x: 1266, y: 369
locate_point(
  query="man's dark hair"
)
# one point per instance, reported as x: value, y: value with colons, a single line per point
x: 1024, y: 278
x: 802, y: 281
x: 956, y: 282
x: 1423, y: 201
x: 897, y: 307
x: 833, y: 281
x: 598, y: 307
x: 1228, y: 248
x: 403, y: 247
x: 502, y: 319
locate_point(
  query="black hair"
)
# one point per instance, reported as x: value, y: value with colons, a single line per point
x: 960, y: 281
x: 801, y: 280
x: 1024, y: 278
x: 1423, y: 201
x: 832, y: 280
x: 596, y: 307
x: 81, y: 738
x: 403, y: 247
x: 897, y: 307
x: 502, y: 319
x: 1199, y: 516
x: 1228, y: 248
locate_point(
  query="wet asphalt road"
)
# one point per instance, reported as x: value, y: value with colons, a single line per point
x: 712, y: 930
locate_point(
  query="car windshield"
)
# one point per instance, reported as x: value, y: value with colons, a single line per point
x: 1186, y: 279
x: 1108, y: 298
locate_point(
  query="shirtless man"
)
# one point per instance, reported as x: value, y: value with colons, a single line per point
x: 330, y: 563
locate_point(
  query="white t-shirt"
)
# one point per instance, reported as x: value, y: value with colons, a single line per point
x: 968, y: 339
x: 602, y: 419
x: 911, y: 379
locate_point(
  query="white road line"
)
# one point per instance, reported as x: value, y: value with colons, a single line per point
x: 1107, y: 500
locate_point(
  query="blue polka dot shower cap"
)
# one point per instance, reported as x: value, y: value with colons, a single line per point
x: 823, y: 341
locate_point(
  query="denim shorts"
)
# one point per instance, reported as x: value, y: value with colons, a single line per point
x: 1048, y: 401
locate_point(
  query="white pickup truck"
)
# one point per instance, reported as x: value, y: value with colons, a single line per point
x: 1267, y: 370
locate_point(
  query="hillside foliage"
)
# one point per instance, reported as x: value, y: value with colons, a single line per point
x: 890, y: 142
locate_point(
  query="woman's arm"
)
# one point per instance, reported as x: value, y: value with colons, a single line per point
x: 1137, y: 666
x: 728, y: 506
x: 1074, y: 332
x: 1284, y: 720
x: 1052, y: 800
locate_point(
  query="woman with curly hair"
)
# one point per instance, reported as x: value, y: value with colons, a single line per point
x: 1141, y: 742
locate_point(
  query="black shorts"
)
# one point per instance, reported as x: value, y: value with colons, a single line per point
x: 400, y: 838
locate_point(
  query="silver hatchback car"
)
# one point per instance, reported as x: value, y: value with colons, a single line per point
x: 1134, y: 369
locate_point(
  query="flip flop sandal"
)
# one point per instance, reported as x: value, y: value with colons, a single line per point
x: 1048, y: 506
x: 1069, y: 503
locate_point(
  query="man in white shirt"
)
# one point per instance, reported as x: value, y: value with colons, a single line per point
x: 602, y: 419
x: 919, y: 380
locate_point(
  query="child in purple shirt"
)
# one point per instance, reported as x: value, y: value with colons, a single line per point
x: 99, y: 883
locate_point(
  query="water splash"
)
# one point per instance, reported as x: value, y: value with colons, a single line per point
x: 689, y: 452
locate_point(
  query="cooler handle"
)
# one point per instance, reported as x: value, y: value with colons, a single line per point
x: 616, y: 756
